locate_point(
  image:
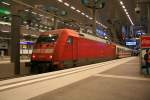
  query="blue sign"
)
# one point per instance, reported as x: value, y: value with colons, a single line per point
x: 130, y: 43
x: 100, y: 32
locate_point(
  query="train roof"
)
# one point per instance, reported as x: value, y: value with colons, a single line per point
x: 82, y: 35
x: 91, y: 37
x: 59, y: 31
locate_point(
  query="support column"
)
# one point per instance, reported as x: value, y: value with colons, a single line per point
x: 94, y: 22
x: 15, y: 37
x: 148, y: 16
x: 55, y: 23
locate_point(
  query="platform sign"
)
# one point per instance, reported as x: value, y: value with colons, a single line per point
x: 145, y: 41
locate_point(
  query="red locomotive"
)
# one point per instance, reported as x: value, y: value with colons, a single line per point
x: 66, y: 48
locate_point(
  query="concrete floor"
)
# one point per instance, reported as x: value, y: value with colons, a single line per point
x: 129, y: 87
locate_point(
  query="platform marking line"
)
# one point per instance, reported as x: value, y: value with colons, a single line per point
x: 123, y: 77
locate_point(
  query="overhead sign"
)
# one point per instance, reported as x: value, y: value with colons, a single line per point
x: 145, y: 41
x: 130, y: 43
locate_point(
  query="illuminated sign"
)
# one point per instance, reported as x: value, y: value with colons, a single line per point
x: 4, y: 11
x: 100, y: 32
x: 130, y: 43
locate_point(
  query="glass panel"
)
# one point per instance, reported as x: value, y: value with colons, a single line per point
x: 47, y: 38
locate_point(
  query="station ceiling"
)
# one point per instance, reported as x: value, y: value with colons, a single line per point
x: 109, y: 15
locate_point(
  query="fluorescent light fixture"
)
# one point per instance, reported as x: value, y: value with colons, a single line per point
x: 127, y: 13
x: 5, y: 23
x: 87, y: 16
x: 83, y: 13
x: 60, y: 0
x: 106, y: 37
x: 66, y: 4
x: 90, y: 18
x: 6, y: 3
x: 25, y: 22
x: 42, y: 30
x: 27, y: 10
x: 34, y: 35
x: 5, y: 31
x: 72, y: 7
x: 123, y: 7
x: 125, y: 10
x: 78, y: 11
x: 41, y: 15
x: 121, y: 2
x: 34, y: 13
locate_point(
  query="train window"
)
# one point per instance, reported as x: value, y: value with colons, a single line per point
x: 69, y: 40
x: 47, y: 38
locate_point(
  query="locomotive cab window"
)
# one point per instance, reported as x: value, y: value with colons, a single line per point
x: 47, y: 38
x: 69, y: 40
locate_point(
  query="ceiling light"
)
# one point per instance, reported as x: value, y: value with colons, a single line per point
x: 27, y: 10
x: 66, y: 4
x: 5, y: 23
x: 87, y: 16
x: 72, y: 7
x: 123, y: 7
x: 83, y: 13
x: 125, y: 10
x: 60, y: 0
x: 34, y: 13
x: 5, y: 31
x: 121, y: 2
x: 41, y: 15
x: 90, y: 18
x: 78, y: 11
x: 106, y: 37
x: 6, y: 3
x: 25, y: 22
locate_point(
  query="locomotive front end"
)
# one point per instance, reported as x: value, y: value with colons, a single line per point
x: 42, y: 55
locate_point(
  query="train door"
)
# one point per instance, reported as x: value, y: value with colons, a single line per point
x: 75, y: 49
x: 68, y: 53
x: 69, y: 49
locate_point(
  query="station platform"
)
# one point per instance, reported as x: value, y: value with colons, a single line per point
x: 118, y: 79
x: 123, y: 82
x: 7, y: 69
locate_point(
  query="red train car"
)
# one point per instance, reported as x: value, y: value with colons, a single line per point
x: 66, y: 48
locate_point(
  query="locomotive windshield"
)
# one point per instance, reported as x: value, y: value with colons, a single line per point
x: 47, y: 38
